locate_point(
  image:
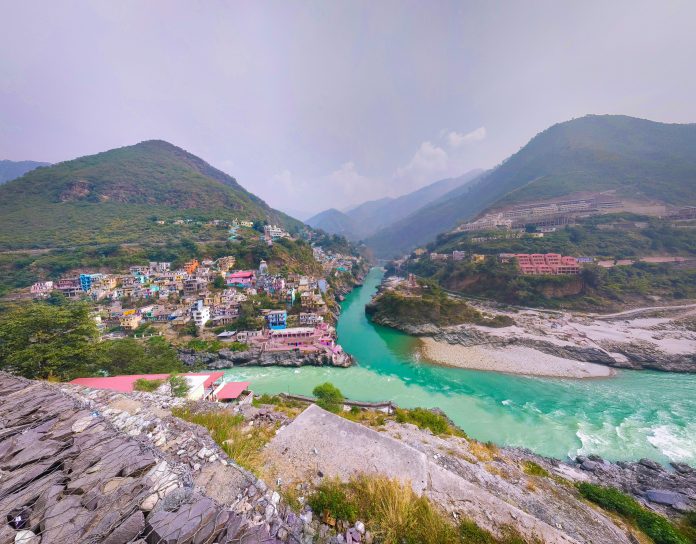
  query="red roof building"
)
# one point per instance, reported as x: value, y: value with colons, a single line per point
x: 230, y: 391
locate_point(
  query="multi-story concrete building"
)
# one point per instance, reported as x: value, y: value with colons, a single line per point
x: 200, y: 314
x: 547, y: 264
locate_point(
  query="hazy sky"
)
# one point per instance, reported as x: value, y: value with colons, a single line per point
x: 327, y: 103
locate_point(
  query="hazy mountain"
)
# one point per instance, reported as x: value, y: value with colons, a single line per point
x: 115, y: 196
x: 636, y: 157
x: 365, y: 219
x: 334, y: 221
x: 13, y: 169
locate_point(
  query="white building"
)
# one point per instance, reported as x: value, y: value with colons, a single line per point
x: 200, y: 314
x: 310, y: 319
x: 41, y: 288
x: 273, y: 231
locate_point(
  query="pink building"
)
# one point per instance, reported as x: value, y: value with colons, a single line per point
x: 547, y: 264
x: 242, y: 278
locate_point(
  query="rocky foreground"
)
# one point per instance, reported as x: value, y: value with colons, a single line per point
x: 79, y: 465
x: 87, y: 466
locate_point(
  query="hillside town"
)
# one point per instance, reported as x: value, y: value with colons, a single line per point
x: 251, y: 309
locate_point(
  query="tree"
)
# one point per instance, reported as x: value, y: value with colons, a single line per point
x: 329, y: 397
x: 40, y: 340
x: 219, y: 282
x: 178, y: 385
x: 129, y: 356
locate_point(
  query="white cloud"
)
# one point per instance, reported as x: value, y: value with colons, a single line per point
x: 348, y: 182
x: 285, y: 180
x: 427, y: 163
x: 457, y: 139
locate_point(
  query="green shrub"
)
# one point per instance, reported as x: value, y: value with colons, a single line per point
x: 149, y: 386
x: 329, y: 397
x: 330, y: 497
x: 212, y: 346
x: 660, y: 529
x: 237, y: 346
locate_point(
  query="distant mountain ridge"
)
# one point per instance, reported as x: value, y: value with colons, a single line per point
x: 334, y: 221
x: 114, y: 195
x: 635, y: 157
x: 10, y: 170
x: 365, y: 219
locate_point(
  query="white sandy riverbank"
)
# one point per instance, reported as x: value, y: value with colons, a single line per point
x: 510, y: 359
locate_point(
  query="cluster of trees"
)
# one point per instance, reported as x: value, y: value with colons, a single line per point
x: 432, y: 305
x: 61, y: 341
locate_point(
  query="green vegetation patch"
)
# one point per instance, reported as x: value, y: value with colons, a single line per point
x: 612, y: 236
x: 428, y: 419
x: 657, y: 527
x: 534, y: 469
x: 142, y: 384
x: 424, y: 305
x: 40, y: 340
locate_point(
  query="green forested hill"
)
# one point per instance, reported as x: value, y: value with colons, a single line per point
x: 636, y: 157
x: 115, y: 197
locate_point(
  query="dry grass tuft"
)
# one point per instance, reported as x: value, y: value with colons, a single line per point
x: 397, y: 515
x: 242, y: 443
x: 483, y: 451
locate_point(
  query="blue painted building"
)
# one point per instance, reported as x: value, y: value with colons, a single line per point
x: 86, y: 281
x: 277, y: 319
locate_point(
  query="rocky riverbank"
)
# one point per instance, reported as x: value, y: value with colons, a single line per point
x: 226, y: 358
x: 658, y: 343
x: 651, y: 338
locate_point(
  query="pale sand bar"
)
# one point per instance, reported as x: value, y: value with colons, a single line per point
x: 510, y: 359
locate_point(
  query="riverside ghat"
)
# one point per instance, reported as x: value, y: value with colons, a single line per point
x: 633, y: 414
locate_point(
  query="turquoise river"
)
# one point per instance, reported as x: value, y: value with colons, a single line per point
x: 630, y: 416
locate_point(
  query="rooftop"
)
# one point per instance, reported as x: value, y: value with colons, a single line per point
x: 231, y: 390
